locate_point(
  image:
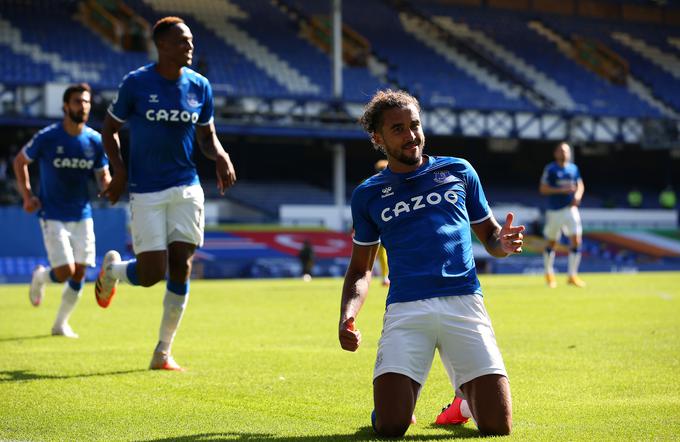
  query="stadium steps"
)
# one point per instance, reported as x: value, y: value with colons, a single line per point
x: 72, y: 70
x: 415, y: 27
x: 216, y: 15
x: 635, y: 86
x: 667, y: 62
x: 486, y: 65
x: 674, y: 42
x: 540, y: 81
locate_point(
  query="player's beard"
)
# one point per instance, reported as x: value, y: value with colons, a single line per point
x: 403, y: 158
x: 77, y: 117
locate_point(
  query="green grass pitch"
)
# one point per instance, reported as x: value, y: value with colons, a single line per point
x: 263, y: 363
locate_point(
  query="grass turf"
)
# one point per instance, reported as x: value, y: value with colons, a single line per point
x: 263, y: 363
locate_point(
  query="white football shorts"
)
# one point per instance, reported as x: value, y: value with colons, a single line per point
x: 170, y: 215
x: 566, y: 219
x: 69, y: 242
x: 458, y: 326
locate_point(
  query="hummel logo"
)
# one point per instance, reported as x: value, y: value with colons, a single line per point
x: 60, y: 150
x: 153, y: 98
x: 387, y: 191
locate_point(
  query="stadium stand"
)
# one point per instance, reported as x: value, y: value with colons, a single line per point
x: 481, y: 73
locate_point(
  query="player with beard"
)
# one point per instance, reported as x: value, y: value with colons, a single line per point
x: 166, y: 105
x: 422, y: 208
x: 68, y: 153
x: 563, y: 186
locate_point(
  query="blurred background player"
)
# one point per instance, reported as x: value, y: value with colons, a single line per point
x: 68, y: 153
x: 166, y: 104
x: 380, y: 165
x: 306, y: 257
x: 561, y: 182
x: 422, y: 209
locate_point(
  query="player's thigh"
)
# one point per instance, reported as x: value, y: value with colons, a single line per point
x: 186, y: 215
x: 572, y: 222
x: 553, y: 225
x: 148, y: 221
x: 490, y: 401
x: 467, y: 342
x: 83, y: 241
x: 408, y: 340
x: 57, y: 243
x: 394, y: 397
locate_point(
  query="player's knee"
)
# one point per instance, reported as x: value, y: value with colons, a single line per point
x: 392, y: 429
x: 495, y: 427
x: 64, y: 272
x: 151, y: 276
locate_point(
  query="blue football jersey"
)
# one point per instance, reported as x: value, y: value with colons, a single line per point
x: 162, y: 115
x: 66, y: 164
x: 556, y: 176
x: 423, y: 220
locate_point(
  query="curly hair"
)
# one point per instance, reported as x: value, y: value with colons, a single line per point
x: 372, y: 119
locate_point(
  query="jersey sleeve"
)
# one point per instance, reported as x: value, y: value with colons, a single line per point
x: 33, y: 149
x: 207, y: 110
x: 577, y: 173
x: 123, y: 104
x: 365, y: 231
x: 475, y: 201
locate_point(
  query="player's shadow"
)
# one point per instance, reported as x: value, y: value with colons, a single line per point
x: 26, y: 375
x: 362, y: 434
x: 24, y: 338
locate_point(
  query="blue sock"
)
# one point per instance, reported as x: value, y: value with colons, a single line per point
x: 53, y: 276
x: 131, y: 272
x: 373, y: 421
x: 75, y: 285
x: 178, y: 288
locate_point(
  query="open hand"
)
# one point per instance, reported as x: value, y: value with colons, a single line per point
x: 511, y: 237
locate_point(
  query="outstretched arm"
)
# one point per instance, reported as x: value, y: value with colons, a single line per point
x: 500, y: 241
x: 354, y: 291
x: 116, y: 186
x: 31, y: 202
x: 212, y: 148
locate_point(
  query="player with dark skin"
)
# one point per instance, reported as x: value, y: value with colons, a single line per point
x: 401, y: 138
x: 175, y: 50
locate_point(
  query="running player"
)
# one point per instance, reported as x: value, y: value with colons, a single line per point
x: 561, y: 182
x: 421, y: 208
x: 68, y: 153
x: 166, y: 104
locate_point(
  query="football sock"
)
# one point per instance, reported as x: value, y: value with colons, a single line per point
x: 574, y: 261
x: 125, y: 271
x: 46, y: 275
x: 465, y: 409
x: 69, y: 298
x: 174, y: 303
x: 549, y: 260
